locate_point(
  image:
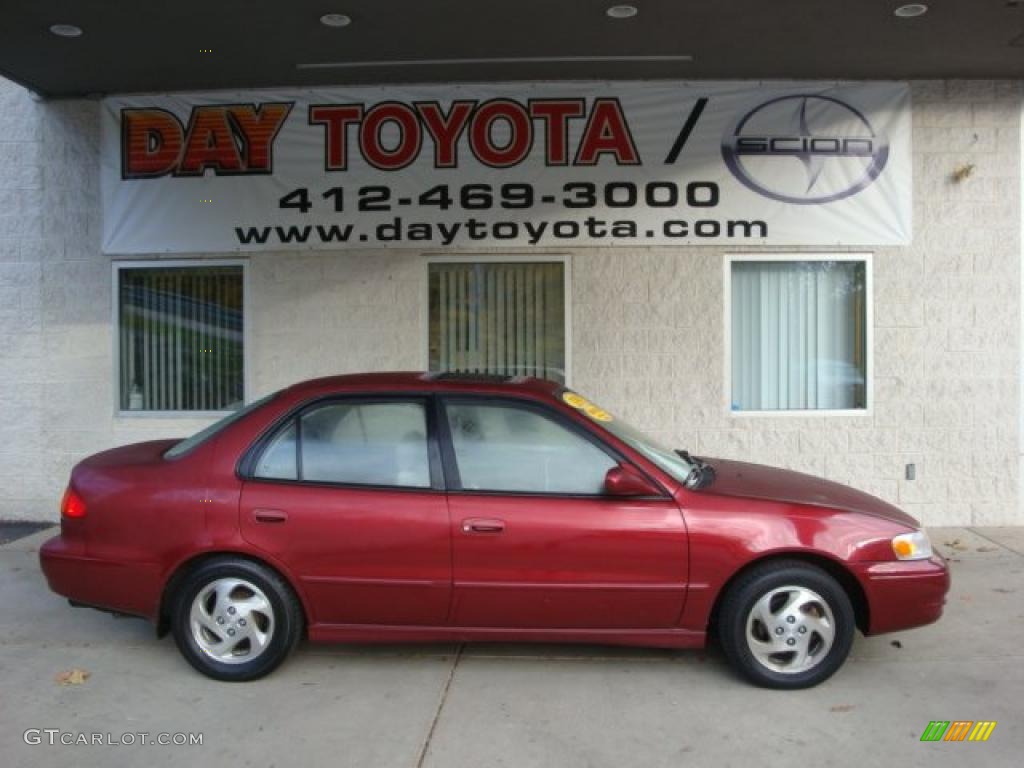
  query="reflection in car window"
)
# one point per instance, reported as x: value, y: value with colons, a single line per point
x: 366, y: 444
x: 501, y: 447
x: 666, y: 458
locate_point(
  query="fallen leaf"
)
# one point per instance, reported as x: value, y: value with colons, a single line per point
x: 988, y: 549
x: 841, y: 708
x: 955, y: 544
x: 1003, y: 590
x: 74, y: 676
x: 896, y: 644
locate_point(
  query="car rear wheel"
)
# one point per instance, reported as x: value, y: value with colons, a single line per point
x: 235, y: 620
x: 786, y: 624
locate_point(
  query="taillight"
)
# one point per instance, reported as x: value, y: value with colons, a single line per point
x: 72, y: 505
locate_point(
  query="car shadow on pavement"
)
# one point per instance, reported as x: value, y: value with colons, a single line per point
x: 12, y: 531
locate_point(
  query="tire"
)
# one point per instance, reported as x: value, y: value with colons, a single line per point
x: 786, y: 624
x: 235, y: 619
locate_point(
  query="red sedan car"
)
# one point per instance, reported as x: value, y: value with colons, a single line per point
x: 445, y: 507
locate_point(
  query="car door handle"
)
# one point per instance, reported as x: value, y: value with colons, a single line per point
x: 482, y: 525
x: 269, y: 515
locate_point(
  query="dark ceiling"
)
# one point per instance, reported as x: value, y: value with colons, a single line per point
x: 129, y: 45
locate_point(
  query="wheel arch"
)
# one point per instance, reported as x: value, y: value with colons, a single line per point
x: 182, y: 569
x: 834, y: 568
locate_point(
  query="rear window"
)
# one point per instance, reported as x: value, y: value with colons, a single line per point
x: 200, y: 437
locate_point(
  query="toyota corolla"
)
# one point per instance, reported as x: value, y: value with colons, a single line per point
x: 444, y: 507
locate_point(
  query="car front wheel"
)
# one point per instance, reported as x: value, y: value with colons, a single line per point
x: 235, y: 620
x: 786, y: 624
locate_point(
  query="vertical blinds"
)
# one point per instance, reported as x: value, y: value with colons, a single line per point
x: 181, y: 338
x: 498, y: 318
x: 798, y: 335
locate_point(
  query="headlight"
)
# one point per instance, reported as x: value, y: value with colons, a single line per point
x: 912, y: 546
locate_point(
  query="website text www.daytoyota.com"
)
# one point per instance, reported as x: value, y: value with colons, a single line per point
x: 380, y: 223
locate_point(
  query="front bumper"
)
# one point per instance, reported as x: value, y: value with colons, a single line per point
x: 124, y: 587
x: 903, y: 594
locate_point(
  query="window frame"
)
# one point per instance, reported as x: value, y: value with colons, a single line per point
x: 498, y: 258
x: 246, y: 468
x: 117, y: 266
x: 451, y: 466
x: 796, y: 257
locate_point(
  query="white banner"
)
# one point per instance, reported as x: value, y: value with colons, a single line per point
x: 509, y: 164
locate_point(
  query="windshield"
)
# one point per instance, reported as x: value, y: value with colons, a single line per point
x: 666, y: 458
x: 200, y: 437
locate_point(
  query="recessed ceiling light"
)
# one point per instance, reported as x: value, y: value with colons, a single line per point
x: 66, y: 30
x: 910, y: 10
x: 335, y: 20
x: 622, y: 11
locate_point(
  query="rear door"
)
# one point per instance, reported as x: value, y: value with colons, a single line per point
x: 536, y: 542
x: 348, y: 494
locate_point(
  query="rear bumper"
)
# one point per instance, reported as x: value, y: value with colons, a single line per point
x: 903, y: 594
x: 124, y: 587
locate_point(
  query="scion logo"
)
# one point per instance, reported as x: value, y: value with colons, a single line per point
x: 805, y: 149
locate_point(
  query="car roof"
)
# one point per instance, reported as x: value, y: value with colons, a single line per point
x: 420, y: 381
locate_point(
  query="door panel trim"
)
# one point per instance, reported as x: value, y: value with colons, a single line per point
x: 374, y: 582
x: 575, y: 586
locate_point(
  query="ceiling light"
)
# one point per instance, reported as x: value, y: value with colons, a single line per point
x: 622, y: 11
x: 910, y: 10
x: 335, y: 20
x: 66, y: 30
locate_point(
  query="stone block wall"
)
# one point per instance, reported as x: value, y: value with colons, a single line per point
x: 647, y: 324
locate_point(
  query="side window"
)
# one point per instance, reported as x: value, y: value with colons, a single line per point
x: 279, y: 459
x: 358, y: 443
x: 502, y: 447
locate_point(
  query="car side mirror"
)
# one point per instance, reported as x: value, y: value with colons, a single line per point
x: 626, y: 481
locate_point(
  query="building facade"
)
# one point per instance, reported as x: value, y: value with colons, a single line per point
x: 930, y: 420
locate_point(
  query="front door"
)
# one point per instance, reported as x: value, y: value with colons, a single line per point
x: 349, y: 497
x: 536, y: 541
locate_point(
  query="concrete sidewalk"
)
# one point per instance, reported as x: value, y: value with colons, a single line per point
x: 519, y: 706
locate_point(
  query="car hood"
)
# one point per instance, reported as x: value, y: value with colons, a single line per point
x: 756, y: 481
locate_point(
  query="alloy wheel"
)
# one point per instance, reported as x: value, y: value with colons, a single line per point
x: 790, y: 629
x: 232, y: 620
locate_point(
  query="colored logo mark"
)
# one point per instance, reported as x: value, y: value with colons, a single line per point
x: 958, y: 730
x: 838, y: 149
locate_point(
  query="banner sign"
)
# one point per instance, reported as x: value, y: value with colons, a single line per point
x: 508, y: 164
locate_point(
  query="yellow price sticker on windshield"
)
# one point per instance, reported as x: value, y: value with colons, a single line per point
x: 581, y: 403
x: 576, y: 401
x: 596, y: 413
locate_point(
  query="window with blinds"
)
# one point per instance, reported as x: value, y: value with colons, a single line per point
x: 498, y: 318
x: 180, y: 338
x: 799, y: 335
